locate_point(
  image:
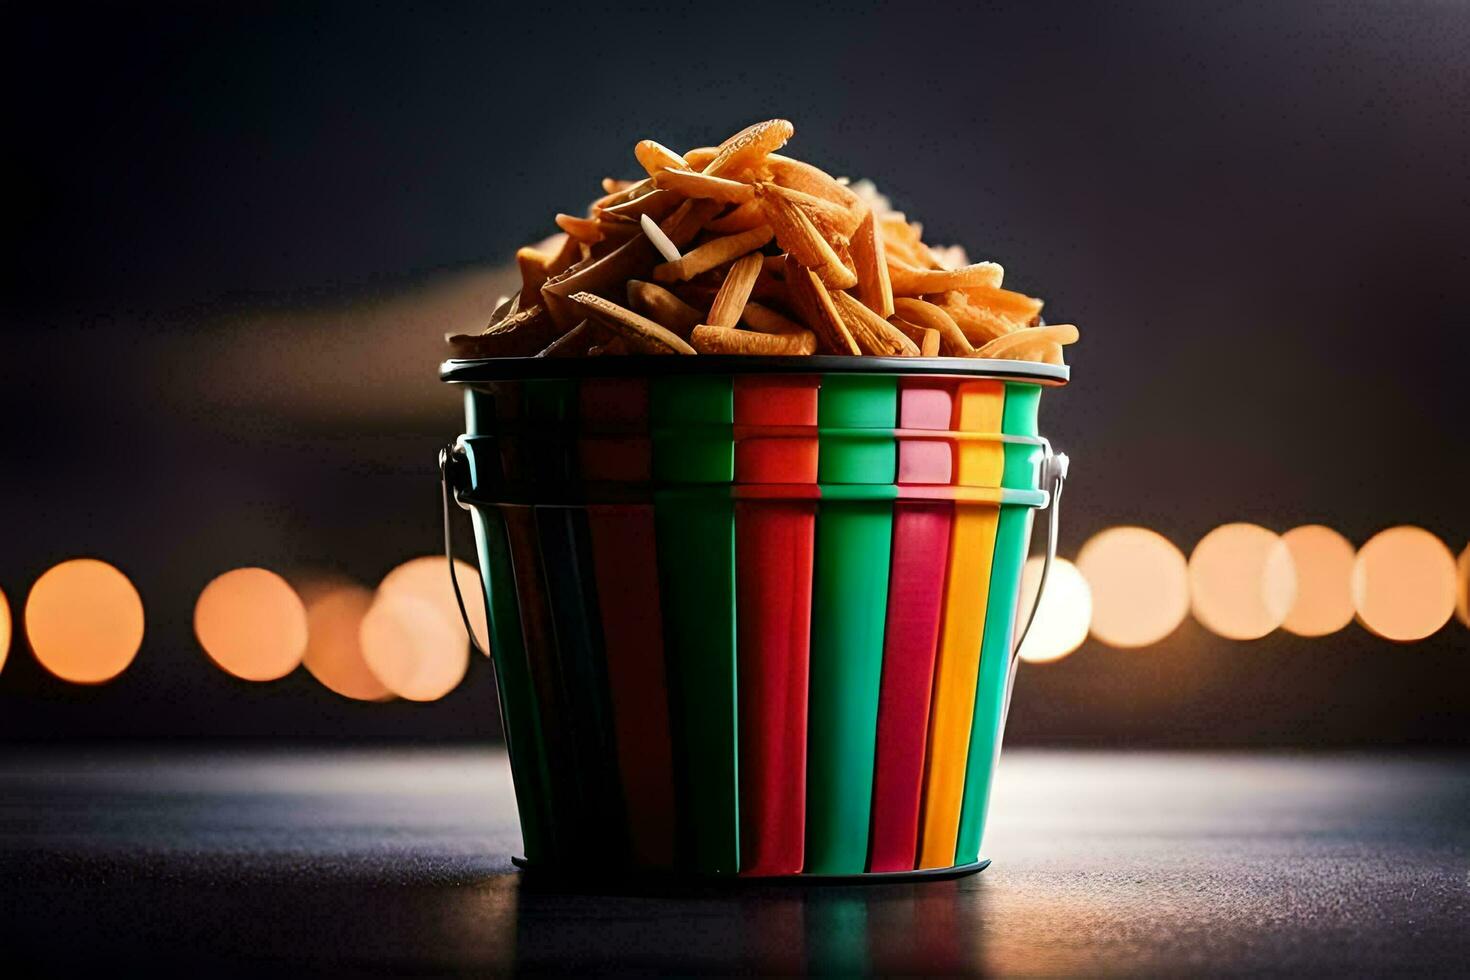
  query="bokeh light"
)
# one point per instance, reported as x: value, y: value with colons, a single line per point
x: 334, y: 647
x: 1241, y: 581
x: 1065, y: 612
x: 1324, y: 575
x: 1404, y: 583
x: 84, y: 621
x: 4, y: 630
x: 1462, y: 601
x: 412, y: 648
x: 252, y: 624
x: 426, y: 578
x: 1139, y: 583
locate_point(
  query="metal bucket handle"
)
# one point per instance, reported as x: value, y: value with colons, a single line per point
x: 453, y: 475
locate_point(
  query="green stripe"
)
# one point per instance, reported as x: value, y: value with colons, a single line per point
x: 693, y: 443
x: 519, y: 714
x: 849, y: 608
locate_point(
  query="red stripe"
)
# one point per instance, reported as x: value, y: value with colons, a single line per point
x: 921, y: 534
x: 774, y: 545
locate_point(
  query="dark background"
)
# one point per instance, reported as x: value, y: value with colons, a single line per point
x: 233, y: 235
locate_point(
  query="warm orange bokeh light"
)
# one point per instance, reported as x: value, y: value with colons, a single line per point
x: 1324, y: 575
x: 4, y: 630
x: 252, y: 624
x: 1462, y: 601
x: 412, y: 647
x: 1404, y: 583
x: 84, y: 620
x: 1062, y: 618
x: 1241, y: 581
x: 1139, y: 584
x: 333, y: 648
x: 427, y: 578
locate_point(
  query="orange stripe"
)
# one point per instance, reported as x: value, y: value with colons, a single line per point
x: 979, y: 407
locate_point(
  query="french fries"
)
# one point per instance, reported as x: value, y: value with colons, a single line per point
x: 639, y: 333
x: 737, y: 249
x: 952, y: 340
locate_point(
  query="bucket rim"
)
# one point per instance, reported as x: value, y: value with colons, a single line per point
x: 484, y: 369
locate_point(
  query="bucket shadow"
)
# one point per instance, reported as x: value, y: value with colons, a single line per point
x: 922, y: 928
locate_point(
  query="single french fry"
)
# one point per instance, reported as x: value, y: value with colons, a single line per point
x: 700, y: 157
x: 952, y: 340
x: 926, y: 337
x: 796, y: 234
x: 873, y: 286
x: 833, y: 221
x: 1017, y: 306
x: 711, y: 254
x: 532, y: 264
x: 654, y: 157
x: 743, y: 218
x: 910, y: 281
x: 663, y: 307
x: 640, y: 333
x: 710, y: 339
x: 1018, y: 342
x: 815, y: 304
x: 763, y: 319
x: 801, y: 176
x: 735, y: 291
x: 586, y: 230
x: 521, y: 334
x: 929, y: 346
x: 691, y: 184
x: 749, y: 147
x: 874, y: 335
x: 574, y: 343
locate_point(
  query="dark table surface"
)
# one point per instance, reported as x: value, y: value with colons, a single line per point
x: 399, y: 861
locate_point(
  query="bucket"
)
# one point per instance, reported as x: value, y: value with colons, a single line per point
x: 753, y: 617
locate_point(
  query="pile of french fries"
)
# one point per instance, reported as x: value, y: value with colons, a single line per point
x: 736, y: 249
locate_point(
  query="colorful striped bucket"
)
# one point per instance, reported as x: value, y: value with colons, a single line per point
x: 752, y: 617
